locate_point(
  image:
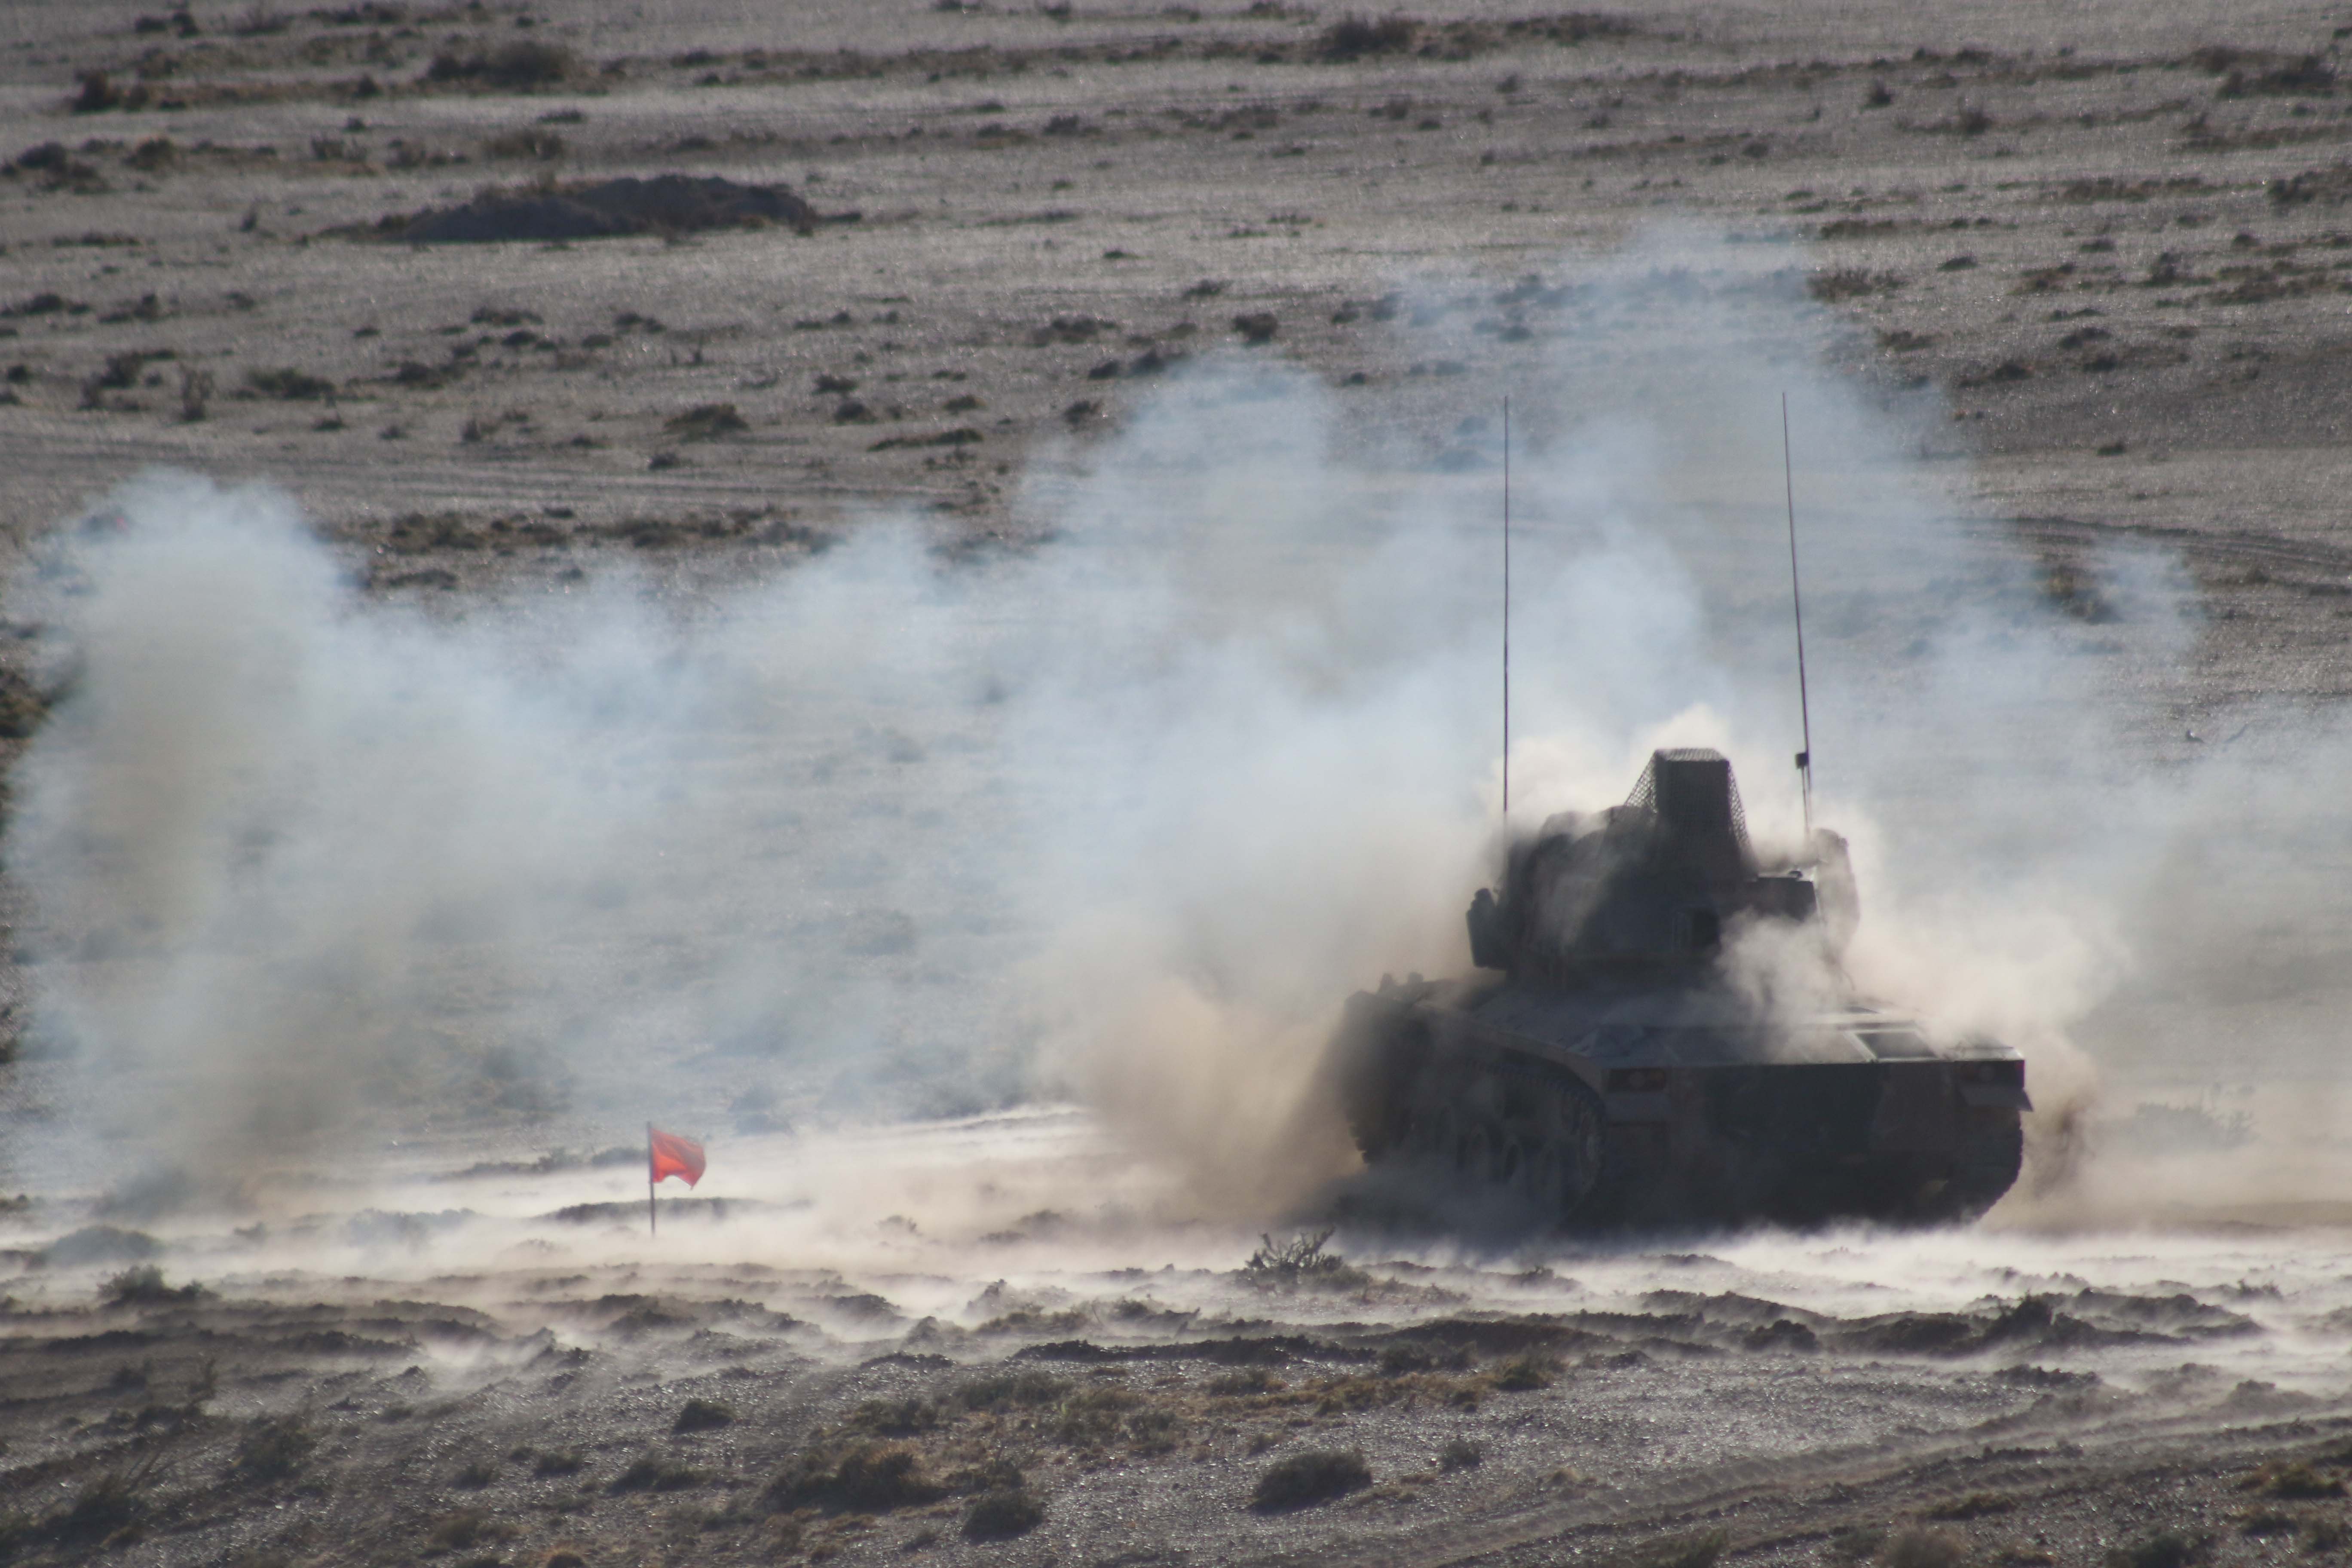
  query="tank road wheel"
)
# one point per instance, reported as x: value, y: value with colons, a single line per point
x: 1540, y: 1178
x: 1534, y: 1132
x: 1557, y: 1131
x: 1579, y: 1124
x: 1474, y: 1152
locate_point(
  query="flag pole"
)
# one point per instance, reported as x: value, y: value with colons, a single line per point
x: 653, y: 1221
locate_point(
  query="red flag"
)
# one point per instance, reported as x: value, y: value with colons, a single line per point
x: 671, y: 1155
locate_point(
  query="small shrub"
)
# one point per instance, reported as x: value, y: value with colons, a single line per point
x: 1460, y: 1454
x: 195, y: 392
x: 702, y: 1416
x: 475, y: 1475
x: 289, y: 386
x: 1002, y: 1515
x: 1699, y: 1550
x: 706, y: 422
x: 2166, y: 1549
x: 1305, y: 1479
x: 470, y: 1528
x: 274, y: 1447
x: 1918, y: 1547
x: 2264, y: 1521
x: 524, y: 64
x: 2300, y: 1480
x: 142, y: 1285
x: 1353, y: 38
x: 654, y: 1475
x: 2326, y: 1534
x: 1257, y: 327
x: 1154, y: 1431
x: 1856, y: 1543
x: 1247, y: 1381
x: 570, y: 1462
x: 529, y: 143
x: 1527, y: 1371
x: 870, y: 1478
x: 1027, y: 1387
x: 110, y: 1504
x: 1300, y: 1258
x: 1094, y: 1415
x: 994, y: 1475
x: 1840, y: 283
x: 96, y: 94
x: 894, y: 1417
x: 1975, y: 1505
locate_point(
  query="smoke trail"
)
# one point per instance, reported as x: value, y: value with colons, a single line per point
x: 1127, y: 815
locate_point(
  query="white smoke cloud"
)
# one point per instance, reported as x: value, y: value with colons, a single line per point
x: 1127, y: 815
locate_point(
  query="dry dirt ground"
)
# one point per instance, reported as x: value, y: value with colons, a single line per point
x: 2113, y: 241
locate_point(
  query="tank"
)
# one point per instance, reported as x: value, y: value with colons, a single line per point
x: 1660, y: 1031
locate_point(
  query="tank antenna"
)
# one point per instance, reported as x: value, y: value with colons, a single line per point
x: 1506, y: 612
x: 1797, y: 604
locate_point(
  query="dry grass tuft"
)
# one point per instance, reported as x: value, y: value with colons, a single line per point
x: 1302, y: 1480
x: 1527, y: 1371
x: 1841, y: 283
x: 706, y: 422
x: 143, y: 1284
x: 703, y: 1415
x: 2297, y: 1479
x: 274, y: 1448
x: 1002, y: 1515
x: 470, y: 1528
x: 515, y: 66
x: 289, y: 386
x: 545, y: 146
x: 1920, y: 1548
x: 1975, y: 1505
x: 1354, y: 37
x: 2166, y: 1549
x: 867, y: 1478
x: 655, y: 1474
x: 1699, y: 1550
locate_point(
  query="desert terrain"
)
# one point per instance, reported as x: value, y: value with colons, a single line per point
x: 908, y: 589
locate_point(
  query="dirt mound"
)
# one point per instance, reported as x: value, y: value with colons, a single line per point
x: 666, y: 204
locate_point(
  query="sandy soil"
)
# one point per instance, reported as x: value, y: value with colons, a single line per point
x: 2105, y: 248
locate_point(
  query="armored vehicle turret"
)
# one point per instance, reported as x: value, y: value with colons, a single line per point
x: 1660, y: 1032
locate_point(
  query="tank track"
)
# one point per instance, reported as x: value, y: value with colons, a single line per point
x: 1527, y: 1128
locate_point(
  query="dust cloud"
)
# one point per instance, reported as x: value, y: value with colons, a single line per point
x: 1126, y: 816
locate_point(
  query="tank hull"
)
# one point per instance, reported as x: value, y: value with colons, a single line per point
x: 1600, y: 1106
